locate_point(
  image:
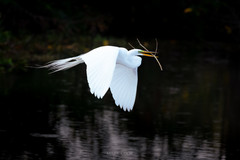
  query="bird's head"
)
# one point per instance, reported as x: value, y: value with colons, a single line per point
x: 139, y: 52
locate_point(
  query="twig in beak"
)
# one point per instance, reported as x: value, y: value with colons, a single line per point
x: 154, y: 55
x: 142, y: 45
x: 156, y: 50
x: 131, y: 45
x: 158, y: 62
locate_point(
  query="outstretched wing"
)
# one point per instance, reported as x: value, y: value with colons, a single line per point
x: 124, y: 86
x: 100, y: 63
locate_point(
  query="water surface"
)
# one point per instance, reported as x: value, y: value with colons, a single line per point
x: 188, y: 111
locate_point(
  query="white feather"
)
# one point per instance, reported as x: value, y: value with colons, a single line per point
x: 100, y: 67
x: 108, y: 66
x: 63, y: 64
x: 124, y: 86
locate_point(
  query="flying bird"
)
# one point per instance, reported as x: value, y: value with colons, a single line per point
x: 109, y: 67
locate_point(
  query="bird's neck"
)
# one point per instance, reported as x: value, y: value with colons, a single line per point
x: 124, y: 58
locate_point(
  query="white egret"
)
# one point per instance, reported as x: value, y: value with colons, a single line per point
x: 109, y: 67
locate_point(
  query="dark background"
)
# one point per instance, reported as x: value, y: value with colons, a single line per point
x: 214, y: 20
x: 197, y: 94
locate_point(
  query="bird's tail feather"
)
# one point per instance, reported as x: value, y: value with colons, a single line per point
x: 63, y: 64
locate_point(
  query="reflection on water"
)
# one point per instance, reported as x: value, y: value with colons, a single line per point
x: 181, y: 113
x: 107, y: 139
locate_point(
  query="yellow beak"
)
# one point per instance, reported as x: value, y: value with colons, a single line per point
x: 148, y: 53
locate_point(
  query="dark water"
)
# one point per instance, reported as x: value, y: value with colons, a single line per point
x: 188, y: 111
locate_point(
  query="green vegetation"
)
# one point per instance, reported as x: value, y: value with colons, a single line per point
x: 39, y: 31
x: 16, y: 53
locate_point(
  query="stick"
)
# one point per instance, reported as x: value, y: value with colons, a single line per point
x: 131, y: 45
x: 142, y: 45
x: 151, y: 53
x: 156, y: 50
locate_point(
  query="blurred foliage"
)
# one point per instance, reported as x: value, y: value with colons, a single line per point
x: 41, y: 30
x: 41, y: 16
x: 16, y: 53
x: 6, y: 64
x: 184, y: 19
